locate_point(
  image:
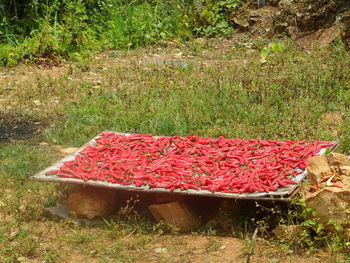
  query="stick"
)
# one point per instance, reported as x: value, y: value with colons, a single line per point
x: 251, y: 249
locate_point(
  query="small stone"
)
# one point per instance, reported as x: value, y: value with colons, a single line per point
x: 284, y: 4
x: 263, y: 60
x: 293, y: 32
x: 243, y: 24
x: 178, y: 55
x: 289, y: 233
x: 22, y: 259
x: 60, y: 212
x: 200, y: 41
x: 317, y: 166
x: 13, y: 234
x: 160, y: 250
x: 176, y: 214
x: 91, y: 202
x: 97, y: 82
x: 222, y: 247
x: 69, y: 150
x: 254, y: 14
x: 338, y: 159
x: 37, y: 102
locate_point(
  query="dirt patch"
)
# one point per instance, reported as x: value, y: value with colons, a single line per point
x: 17, y: 127
x: 333, y: 120
x: 296, y: 19
x: 321, y: 38
x: 306, y: 16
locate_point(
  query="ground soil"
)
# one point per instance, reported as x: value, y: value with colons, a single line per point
x: 17, y: 127
x: 294, y: 19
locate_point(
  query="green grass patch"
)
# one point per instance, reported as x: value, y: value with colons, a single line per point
x: 288, y: 98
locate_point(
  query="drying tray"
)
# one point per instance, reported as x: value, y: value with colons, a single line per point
x: 282, y: 194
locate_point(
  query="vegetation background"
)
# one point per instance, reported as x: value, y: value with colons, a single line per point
x: 72, y: 28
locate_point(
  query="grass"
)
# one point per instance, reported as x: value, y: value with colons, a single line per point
x: 285, y: 99
x: 294, y: 95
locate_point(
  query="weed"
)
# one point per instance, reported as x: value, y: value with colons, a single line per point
x: 213, y: 245
x: 52, y: 256
x: 81, y: 237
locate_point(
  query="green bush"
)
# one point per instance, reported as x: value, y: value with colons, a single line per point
x: 209, y: 17
x: 30, y: 29
x: 133, y: 25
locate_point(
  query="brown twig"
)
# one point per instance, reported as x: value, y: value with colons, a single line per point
x: 251, y: 248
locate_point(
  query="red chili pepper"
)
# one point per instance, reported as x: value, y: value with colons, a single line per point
x: 224, y: 165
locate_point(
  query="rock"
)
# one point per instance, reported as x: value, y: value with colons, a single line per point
x: 338, y: 159
x: 243, y: 24
x: 22, y: 259
x: 345, y: 169
x: 289, y: 233
x: 37, y: 102
x: 281, y: 27
x: 331, y: 201
x: 160, y: 250
x: 176, y: 214
x: 225, y: 216
x: 321, y: 38
x: 284, y: 4
x: 91, y: 202
x: 254, y: 14
x: 200, y: 41
x: 254, y: 19
x: 67, y: 151
x: 331, y: 205
x: 61, y: 212
x: 178, y: 55
x: 263, y: 60
x: 317, y: 166
x: 328, y: 35
x: 293, y: 32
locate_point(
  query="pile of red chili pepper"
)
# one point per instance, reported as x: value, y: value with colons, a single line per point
x: 218, y: 165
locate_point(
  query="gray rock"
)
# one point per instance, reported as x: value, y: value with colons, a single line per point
x: 61, y: 212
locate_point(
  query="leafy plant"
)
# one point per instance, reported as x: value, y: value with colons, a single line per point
x: 135, y: 24
x: 209, y: 17
x: 75, y: 28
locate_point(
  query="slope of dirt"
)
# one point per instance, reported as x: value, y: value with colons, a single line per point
x: 295, y: 19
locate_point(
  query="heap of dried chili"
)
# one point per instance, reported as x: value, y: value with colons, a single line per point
x: 218, y: 165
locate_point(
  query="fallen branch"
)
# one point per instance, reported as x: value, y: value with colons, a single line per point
x: 251, y: 248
